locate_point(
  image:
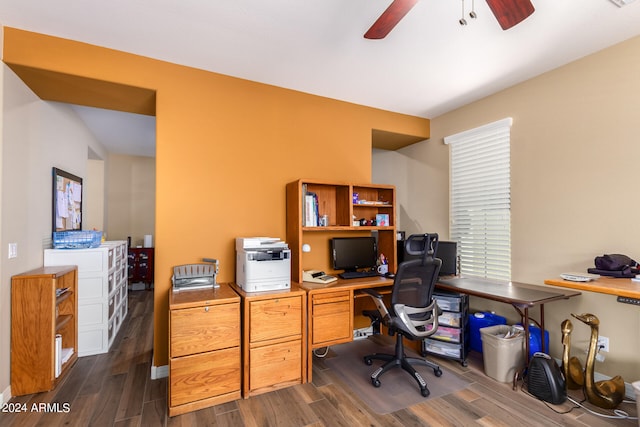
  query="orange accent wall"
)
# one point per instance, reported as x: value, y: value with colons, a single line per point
x: 225, y: 147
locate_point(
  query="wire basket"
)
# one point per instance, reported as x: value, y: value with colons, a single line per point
x: 76, y: 239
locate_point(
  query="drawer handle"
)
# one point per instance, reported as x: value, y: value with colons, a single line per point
x: 206, y: 309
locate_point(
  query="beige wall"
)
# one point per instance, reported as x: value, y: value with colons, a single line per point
x: 35, y: 136
x: 93, y: 200
x: 132, y: 196
x: 574, y: 160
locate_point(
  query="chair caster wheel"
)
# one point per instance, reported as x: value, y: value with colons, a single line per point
x: 425, y: 392
x: 368, y: 361
x: 375, y: 382
x: 437, y: 372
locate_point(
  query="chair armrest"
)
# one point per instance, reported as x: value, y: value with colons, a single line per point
x: 377, y: 299
x: 403, y: 312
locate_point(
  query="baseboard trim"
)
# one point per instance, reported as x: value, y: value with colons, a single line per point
x: 158, y: 372
x: 5, y: 396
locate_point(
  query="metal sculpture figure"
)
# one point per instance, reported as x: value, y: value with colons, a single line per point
x: 571, y: 367
x: 607, y: 393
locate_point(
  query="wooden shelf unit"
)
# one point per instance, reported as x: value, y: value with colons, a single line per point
x: 336, y: 200
x: 37, y: 316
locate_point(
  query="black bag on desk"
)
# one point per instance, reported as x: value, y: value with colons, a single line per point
x: 614, y: 265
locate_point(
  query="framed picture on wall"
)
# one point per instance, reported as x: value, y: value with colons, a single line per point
x: 67, y: 201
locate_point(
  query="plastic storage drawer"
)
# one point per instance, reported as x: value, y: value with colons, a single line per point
x: 448, y: 303
x: 448, y: 318
x: 443, y: 348
x: 447, y: 334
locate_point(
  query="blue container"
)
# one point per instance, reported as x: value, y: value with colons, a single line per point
x: 535, y: 341
x: 482, y: 320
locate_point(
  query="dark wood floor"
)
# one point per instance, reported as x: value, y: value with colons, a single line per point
x: 115, y: 389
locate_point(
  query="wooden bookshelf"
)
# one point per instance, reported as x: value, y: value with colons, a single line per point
x: 336, y: 200
x: 38, y: 314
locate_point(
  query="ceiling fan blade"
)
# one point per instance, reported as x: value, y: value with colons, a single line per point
x: 389, y: 18
x: 510, y: 12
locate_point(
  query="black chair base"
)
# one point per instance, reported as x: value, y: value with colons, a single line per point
x: 400, y: 359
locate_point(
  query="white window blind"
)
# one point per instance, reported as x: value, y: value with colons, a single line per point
x: 480, y: 199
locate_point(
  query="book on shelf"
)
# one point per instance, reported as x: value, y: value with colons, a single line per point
x: 310, y: 210
x: 58, y: 355
x: 66, y: 354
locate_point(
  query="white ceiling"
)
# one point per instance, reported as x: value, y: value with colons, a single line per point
x: 428, y: 65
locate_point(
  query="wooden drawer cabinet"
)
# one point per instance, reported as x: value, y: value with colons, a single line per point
x: 204, y: 348
x: 140, y: 269
x: 332, y: 318
x: 273, y: 339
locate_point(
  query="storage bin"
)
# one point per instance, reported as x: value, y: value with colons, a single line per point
x: 448, y: 303
x: 482, y: 320
x: 503, y: 357
x: 443, y: 348
x: 535, y: 340
x: 450, y: 319
x: 447, y: 334
x: 76, y: 239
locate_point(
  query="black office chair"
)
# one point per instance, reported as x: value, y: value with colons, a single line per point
x: 413, y: 312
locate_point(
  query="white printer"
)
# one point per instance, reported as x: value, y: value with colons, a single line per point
x: 262, y: 264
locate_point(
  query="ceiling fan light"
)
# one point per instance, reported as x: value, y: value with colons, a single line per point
x: 621, y: 3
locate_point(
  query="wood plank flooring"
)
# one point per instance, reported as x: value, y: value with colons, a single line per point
x: 115, y: 389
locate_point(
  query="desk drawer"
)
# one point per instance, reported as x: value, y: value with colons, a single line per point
x: 332, y: 317
x: 275, y: 318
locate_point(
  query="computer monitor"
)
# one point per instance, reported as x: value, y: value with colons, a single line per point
x: 447, y: 251
x: 353, y: 253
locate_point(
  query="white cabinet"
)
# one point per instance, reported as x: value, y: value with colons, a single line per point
x: 102, y: 292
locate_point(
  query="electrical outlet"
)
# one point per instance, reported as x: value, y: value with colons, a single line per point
x: 603, y: 343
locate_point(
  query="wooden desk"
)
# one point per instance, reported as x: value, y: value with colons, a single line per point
x: 521, y: 296
x: 330, y: 309
x: 604, y: 285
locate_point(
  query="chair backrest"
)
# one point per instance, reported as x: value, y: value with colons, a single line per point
x: 415, y: 279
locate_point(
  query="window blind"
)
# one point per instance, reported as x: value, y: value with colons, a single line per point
x: 480, y: 199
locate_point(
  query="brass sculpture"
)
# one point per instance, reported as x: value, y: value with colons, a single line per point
x: 571, y: 367
x: 607, y: 393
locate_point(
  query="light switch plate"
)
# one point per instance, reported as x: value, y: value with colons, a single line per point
x: 13, y: 250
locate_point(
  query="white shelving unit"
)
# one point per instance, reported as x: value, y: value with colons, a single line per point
x: 102, y: 292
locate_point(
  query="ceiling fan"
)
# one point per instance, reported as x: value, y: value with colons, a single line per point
x: 507, y: 12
